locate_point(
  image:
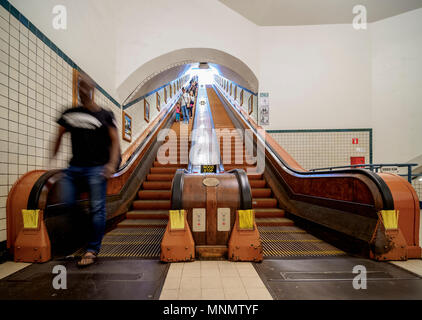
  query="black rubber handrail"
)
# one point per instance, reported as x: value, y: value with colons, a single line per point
x: 245, y: 188
x: 387, y: 197
x: 177, y: 189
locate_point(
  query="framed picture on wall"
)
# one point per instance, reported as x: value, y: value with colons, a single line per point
x: 241, y: 97
x: 174, y: 87
x: 230, y: 89
x: 235, y: 92
x: 250, y: 105
x: 158, y: 101
x: 165, y: 95
x: 146, y: 110
x: 126, y: 127
x: 171, y: 92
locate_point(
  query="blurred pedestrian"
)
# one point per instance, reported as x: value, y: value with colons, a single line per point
x: 96, y: 156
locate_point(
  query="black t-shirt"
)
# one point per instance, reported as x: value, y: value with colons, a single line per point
x: 90, y: 137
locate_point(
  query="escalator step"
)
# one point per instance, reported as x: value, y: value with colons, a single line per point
x: 254, y: 176
x: 179, y: 165
x: 154, y: 194
x: 264, y: 203
x: 257, y: 183
x: 160, y: 177
x: 151, y: 204
x: 269, y: 213
x: 261, y: 192
x: 157, y: 185
x: 163, y: 170
x: 274, y: 222
x: 147, y: 214
x: 142, y: 223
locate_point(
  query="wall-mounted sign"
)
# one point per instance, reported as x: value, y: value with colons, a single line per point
x: 264, y: 109
x: 223, y: 219
x: 198, y: 219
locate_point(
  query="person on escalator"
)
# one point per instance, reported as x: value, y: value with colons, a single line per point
x: 185, y: 101
x: 96, y: 156
x: 191, y: 102
x: 177, y: 112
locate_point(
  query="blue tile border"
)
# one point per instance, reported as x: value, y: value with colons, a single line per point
x: 369, y: 130
x: 31, y: 27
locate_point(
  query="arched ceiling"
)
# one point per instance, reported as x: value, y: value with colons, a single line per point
x: 164, y: 68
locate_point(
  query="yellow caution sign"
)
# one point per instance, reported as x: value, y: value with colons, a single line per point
x: 177, y: 219
x: 390, y: 219
x: 246, y: 219
x: 30, y: 218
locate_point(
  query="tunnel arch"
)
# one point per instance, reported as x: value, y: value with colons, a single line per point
x: 128, y: 89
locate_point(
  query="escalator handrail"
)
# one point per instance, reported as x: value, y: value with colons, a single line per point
x: 245, y: 188
x: 387, y: 197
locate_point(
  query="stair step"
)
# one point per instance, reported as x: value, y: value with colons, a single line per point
x: 269, y: 213
x: 154, y: 194
x: 261, y: 192
x: 156, y: 185
x: 160, y: 177
x: 264, y: 203
x: 151, y: 204
x: 147, y: 214
x: 274, y: 222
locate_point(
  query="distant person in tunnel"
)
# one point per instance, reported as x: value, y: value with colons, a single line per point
x: 177, y: 112
x: 185, y: 102
x: 96, y: 156
x: 191, y: 102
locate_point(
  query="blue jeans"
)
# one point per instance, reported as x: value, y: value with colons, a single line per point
x: 185, y: 114
x: 97, y: 184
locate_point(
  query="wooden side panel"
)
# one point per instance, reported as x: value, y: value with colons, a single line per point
x: 18, y: 200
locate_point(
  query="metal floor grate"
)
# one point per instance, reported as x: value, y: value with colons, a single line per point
x: 289, y: 241
x: 130, y: 243
x: 277, y: 242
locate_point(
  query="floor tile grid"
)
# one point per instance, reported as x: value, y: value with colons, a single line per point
x: 213, y: 280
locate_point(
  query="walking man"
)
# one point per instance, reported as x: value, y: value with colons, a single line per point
x: 96, y: 156
x: 185, y: 101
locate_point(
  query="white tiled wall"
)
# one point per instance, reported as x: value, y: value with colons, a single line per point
x: 324, y: 149
x: 35, y: 88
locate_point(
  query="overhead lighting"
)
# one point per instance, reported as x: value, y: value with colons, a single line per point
x: 204, y: 65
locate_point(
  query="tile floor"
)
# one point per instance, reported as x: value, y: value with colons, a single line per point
x: 412, y: 265
x: 10, y: 267
x: 213, y: 280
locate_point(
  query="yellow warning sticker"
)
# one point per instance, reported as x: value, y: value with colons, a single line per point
x: 390, y: 219
x: 177, y: 219
x: 30, y: 218
x: 246, y: 219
